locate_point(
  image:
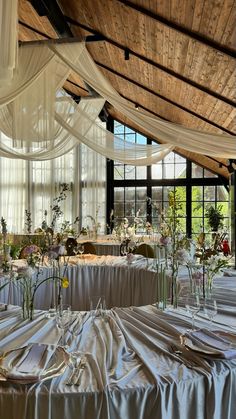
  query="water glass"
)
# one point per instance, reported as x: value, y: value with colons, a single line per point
x: 81, y: 249
x: 63, y: 320
x: 98, y: 306
x: 192, y: 305
x: 210, y: 308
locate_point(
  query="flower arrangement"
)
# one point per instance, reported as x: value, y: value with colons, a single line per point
x: 176, y: 245
x: 27, y: 277
x: 210, y: 259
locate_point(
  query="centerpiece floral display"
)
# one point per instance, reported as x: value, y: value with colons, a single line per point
x: 175, y: 243
x: 211, y: 261
x: 28, y: 277
x: 28, y: 274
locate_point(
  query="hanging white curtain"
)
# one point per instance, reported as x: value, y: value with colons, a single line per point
x: 33, y: 185
x: 217, y: 145
x: 47, y: 125
x: 13, y: 193
x: 93, y: 188
x: 8, y: 39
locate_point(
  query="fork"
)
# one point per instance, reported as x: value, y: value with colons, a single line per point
x: 75, y: 370
x: 81, y: 369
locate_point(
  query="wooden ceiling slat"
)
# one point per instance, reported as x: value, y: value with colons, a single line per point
x: 162, y: 100
x: 175, y: 65
x: 193, y: 83
x: 206, y: 16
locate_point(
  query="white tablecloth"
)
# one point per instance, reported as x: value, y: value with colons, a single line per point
x: 122, y: 284
x: 131, y: 370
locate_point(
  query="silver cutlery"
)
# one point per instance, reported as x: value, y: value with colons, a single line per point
x: 81, y: 369
x: 72, y: 377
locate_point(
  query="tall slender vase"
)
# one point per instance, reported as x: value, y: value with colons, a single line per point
x: 174, y: 289
x: 27, y: 300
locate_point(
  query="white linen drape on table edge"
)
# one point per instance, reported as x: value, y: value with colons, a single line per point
x: 8, y: 39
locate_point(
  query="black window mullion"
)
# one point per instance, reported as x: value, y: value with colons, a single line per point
x: 189, y: 199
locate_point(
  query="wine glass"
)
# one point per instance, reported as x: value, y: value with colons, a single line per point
x: 98, y: 306
x: 81, y: 249
x: 210, y: 308
x: 63, y: 320
x: 192, y: 305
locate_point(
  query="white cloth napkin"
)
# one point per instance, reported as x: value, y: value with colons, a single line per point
x: 211, y: 342
x: 26, y: 363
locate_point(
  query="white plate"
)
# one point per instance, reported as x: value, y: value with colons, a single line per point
x: 55, y: 367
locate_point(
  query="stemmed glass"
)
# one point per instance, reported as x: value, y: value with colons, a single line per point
x: 192, y: 305
x: 210, y: 308
x: 81, y: 249
x: 63, y: 321
x: 98, y: 306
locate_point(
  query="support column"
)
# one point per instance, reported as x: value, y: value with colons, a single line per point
x: 233, y: 214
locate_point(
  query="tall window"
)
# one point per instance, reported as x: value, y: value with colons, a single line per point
x: 128, y: 188
x: 33, y: 185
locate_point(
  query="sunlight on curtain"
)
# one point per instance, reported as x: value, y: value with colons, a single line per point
x: 93, y: 185
x: 46, y: 180
x: 13, y: 193
x: 33, y: 185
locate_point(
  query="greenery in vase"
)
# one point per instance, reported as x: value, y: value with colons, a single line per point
x: 28, y: 221
x: 176, y: 244
x: 27, y: 278
x: 212, y: 262
x: 6, y: 255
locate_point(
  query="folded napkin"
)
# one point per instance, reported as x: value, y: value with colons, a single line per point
x: 212, y: 343
x: 229, y: 272
x: 32, y: 362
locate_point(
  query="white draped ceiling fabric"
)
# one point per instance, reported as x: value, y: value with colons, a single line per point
x: 38, y: 121
x: 8, y: 39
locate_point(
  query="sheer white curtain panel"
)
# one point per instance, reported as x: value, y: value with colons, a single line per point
x: 8, y: 39
x: 215, y: 145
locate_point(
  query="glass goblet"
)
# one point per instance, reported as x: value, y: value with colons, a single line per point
x: 63, y: 320
x: 192, y: 305
x: 210, y: 308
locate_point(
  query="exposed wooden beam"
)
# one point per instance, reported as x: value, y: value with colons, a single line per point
x: 52, y: 11
x: 154, y: 64
x: 147, y: 89
x: 184, y: 31
x: 33, y: 29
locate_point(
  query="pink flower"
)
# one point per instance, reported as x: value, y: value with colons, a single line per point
x: 164, y: 241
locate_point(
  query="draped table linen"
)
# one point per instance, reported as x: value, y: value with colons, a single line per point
x: 131, y: 369
x: 121, y: 284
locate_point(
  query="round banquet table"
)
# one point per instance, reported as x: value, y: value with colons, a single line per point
x: 121, y: 284
x: 132, y: 369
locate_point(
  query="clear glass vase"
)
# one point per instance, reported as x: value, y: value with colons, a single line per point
x: 174, y: 289
x: 27, y: 301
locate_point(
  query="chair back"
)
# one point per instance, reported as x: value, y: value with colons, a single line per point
x: 71, y: 246
x: 145, y: 250
x: 89, y: 248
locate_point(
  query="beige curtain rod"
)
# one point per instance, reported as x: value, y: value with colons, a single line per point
x: 52, y: 41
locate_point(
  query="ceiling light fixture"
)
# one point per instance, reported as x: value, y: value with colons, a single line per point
x: 231, y: 166
x: 126, y: 51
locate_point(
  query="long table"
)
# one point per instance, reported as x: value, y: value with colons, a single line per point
x: 131, y: 371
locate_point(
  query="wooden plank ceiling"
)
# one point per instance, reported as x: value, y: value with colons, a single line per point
x: 181, y: 56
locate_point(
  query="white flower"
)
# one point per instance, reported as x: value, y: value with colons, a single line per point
x: 25, y: 271
x: 183, y: 256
